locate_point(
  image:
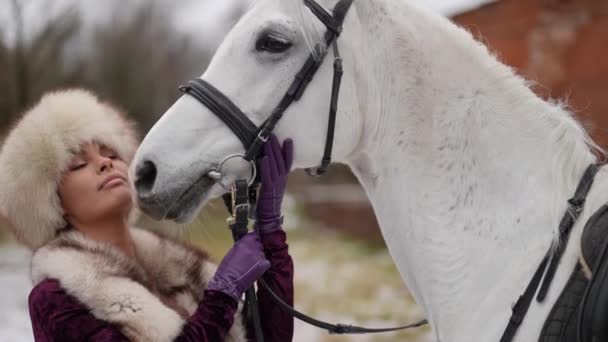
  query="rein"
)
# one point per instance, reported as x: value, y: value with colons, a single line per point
x: 241, y: 204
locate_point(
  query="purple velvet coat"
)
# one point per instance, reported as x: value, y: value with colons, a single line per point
x: 57, y: 316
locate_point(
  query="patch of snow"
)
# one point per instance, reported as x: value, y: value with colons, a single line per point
x: 15, y: 323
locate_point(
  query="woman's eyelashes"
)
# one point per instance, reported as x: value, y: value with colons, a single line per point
x: 82, y: 160
x: 78, y: 166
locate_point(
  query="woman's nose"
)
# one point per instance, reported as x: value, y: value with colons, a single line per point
x: 105, y: 164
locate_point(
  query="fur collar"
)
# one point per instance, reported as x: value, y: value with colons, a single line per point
x: 122, y: 291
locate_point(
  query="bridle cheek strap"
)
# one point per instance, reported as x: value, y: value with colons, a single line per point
x: 333, y: 109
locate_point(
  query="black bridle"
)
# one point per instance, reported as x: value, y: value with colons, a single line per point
x: 253, y: 137
x: 242, y: 200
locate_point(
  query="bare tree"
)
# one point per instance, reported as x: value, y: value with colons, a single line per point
x: 35, y: 64
x: 6, y: 102
x: 139, y: 60
x: 136, y: 61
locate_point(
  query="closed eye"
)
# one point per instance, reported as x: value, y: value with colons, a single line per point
x: 78, y: 166
x: 272, y: 43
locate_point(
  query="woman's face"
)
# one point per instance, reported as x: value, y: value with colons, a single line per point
x: 95, y: 186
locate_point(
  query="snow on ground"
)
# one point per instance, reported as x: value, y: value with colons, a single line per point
x: 15, y: 286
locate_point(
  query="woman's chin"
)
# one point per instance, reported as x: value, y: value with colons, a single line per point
x: 120, y: 200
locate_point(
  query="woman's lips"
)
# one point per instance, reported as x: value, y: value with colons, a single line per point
x: 112, y: 181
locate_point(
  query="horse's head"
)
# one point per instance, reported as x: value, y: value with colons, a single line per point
x: 254, y: 68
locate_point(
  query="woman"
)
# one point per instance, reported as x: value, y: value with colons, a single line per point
x: 63, y: 175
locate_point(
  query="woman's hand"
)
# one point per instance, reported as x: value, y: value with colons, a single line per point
x: 241, y: 267
x: 274, y: 167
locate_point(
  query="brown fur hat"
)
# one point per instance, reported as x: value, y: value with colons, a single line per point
x: 38, y: 150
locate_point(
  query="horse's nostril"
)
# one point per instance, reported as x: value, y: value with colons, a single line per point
x: 145, y: 176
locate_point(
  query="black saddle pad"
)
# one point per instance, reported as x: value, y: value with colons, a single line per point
x: 561, y: 325
x: 582, y: 307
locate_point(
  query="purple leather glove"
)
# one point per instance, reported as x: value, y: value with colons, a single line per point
x: 241, y: 267
x: 274, y: 167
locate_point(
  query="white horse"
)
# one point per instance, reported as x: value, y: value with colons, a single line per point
x: 467, y: 169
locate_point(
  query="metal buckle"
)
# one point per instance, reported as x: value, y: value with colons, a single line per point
x: 575, y: 206
x: 232, y: 218
x: 233, y: 204
x: 263, y: 139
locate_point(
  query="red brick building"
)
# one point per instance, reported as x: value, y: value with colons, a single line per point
x: 561, y: 44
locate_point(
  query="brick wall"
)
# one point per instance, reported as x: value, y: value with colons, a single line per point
x: 560, y: 44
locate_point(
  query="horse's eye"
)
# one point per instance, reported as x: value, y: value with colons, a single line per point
x: 272, y: 43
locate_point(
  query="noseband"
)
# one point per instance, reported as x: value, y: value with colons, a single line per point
x: 253, y: 137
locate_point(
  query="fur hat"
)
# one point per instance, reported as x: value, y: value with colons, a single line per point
x: 39, y: 149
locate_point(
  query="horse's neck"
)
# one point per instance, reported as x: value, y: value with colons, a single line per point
x: 467, y: 170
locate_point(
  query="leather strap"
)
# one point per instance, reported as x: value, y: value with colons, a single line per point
x: 223, y: 108
x: 239, y: 229
x: 303, y: 78
x: 334, y: 329
x: 333, y: 23
x: 333, y: 109
x: 522, y: 305
x: 575, y: 206
x: 337, y: 329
